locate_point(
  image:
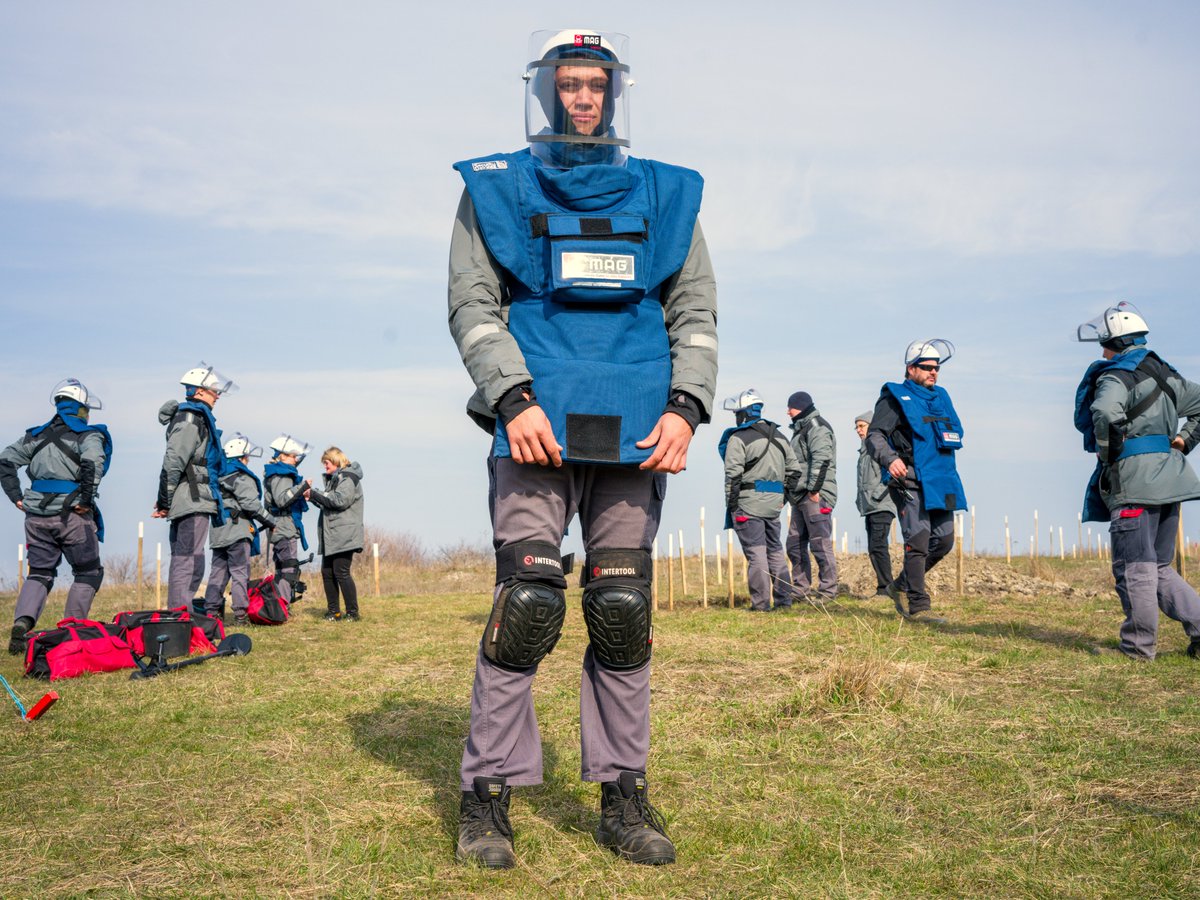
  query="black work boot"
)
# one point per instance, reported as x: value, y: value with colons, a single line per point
x: 16, y: 640
x: 898, y: 598
x: 1193, y: 649
x: 484, y: 834
x: 629, y: 825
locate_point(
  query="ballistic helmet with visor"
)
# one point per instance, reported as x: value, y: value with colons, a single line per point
x: 285, y: 443
x: 577, y: 97
x: 1120, y: 321
x: 205, y: 376
x: 743, y: 401
x: 74, y: 389
x: 239, y: 445
x: 937, y: 350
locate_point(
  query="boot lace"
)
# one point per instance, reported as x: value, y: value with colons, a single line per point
x: 483, y: 816
x: 637, y: 810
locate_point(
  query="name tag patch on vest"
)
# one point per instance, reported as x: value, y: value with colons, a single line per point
x: 610, y: 266
x: 490, y: 165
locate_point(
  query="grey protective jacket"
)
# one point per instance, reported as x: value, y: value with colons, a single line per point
x: 240, y: 498
x: 51, y: 463
x: 478, y: 312
x: 816, y: 451
x: 1149, y: 479
x: 341, y: 503
x: 183, y: 482
x: 873, y: 495
x: 281, y: 494
x: 751, y: 456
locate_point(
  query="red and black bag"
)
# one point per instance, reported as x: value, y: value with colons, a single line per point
x: 186, y: 635
x: 74, y: 647
x: 266, y: 606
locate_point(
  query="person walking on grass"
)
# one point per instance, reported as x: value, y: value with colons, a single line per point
x: 914, y: 435
x: 875, y: 504
x: 65, y: 460
x: 811, y: 527
x: 1128, y: 408
x: 583, y: 304
x: 340, y: 525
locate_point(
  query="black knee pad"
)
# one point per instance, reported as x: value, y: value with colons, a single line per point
x: 42, y: 576
x: 527, y: 617
x: 90, y: 573
x: 616, y: 607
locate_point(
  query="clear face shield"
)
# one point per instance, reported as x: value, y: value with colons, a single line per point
x: 577, y: 97
x: 937, y: 350
x: 214, y: 381
x: 75, y: 389
x: 1116, y: 321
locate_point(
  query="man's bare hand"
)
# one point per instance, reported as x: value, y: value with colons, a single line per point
x: 815, y: 497
x: 1177, y: 443
x: 670, y: 439
x: 21, y: 505
x: 898, y: 469
x: 158, y: 514
x: 531, y: 439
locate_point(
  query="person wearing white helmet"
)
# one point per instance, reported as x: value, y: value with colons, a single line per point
x: 811, y: 527
x: 914, y: 435
x: 236, y: 540
x: 65, y: 459
x: 761, y: 474
x: 285, y: 489
x: 583, y: 304
x: 1128, y: 408
x: 188, y: 494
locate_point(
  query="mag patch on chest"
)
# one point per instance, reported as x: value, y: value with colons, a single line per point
x: 595, y: 259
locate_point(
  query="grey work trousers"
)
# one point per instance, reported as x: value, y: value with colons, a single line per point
x: 48, y: 540
x: 287, y: 566
x: 928, y: 537
x: 230, y: 566
x: 878, y: 526
x: 619, y: 507
x: 1143, y: 548
x: 812, y: 529
x: 766, y: 563
x: 188, y: 536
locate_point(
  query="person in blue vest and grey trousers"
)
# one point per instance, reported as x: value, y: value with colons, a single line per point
x: 761, y: 474
x: 340, y: 527
x: 914, y: 435
x: 65, y: 460
x: 188, y: 493
x: 285, y: 489
x: 236, y: 540
x: 1128, y: 408
x: 583, y: 304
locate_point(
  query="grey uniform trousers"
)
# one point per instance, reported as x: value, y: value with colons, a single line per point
x: 1143, y: 548
x: 812, y: 529
x: 230, y: 566
x: 282, y: 551
x: 188, y: 536
x: 928, y: 537
x: 49, y: 539
x: 619, y: 508
x: 766, y: 563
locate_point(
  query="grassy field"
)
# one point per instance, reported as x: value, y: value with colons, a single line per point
x: 840, y: 753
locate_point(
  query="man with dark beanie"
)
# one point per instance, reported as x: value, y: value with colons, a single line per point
x: 812, y: 515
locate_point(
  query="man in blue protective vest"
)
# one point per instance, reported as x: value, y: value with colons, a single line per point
x: 914, y: 434
x: 65, y: 460
x: 188, y: 492
x: 582, y: 302
x: 1128, y: 408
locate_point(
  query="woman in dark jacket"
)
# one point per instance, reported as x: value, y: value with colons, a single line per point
x: 340, y: 500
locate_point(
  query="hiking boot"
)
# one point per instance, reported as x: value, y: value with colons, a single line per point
x: 16, y: 641
x: 352, y: 616
x: 882, y: 592
x: 241, y: 620
x: 926, y: 616
x: 1193, y: 649
x: 629, y: 825
x: 1116, y: 653
x: 484, y: 833
x: 898, y: 599
x: 332, y: 616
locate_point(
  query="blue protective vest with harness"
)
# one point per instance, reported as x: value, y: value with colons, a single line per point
x: 214, y: 456
x: 770, y: 431
x: 1094, y: 507
x: 68, y: 414
x: 937, y: 435
x: 236, y: 465
x: 587, y: 251
x: 298, y: 507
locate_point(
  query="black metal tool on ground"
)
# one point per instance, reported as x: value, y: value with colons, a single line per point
x: 232, y: 645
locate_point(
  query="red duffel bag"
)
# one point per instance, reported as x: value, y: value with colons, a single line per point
x: 74, y: 647
x: 266, y: 607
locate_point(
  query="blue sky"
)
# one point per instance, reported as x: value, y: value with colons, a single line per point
x: 268, y: 187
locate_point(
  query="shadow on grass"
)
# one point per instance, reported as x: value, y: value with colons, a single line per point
x: 425, y: 739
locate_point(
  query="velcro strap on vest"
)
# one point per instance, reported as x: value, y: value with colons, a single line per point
x: 1147, y: 443
x: 54, y: 486
x: 538, y: 561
